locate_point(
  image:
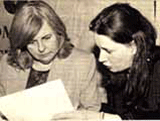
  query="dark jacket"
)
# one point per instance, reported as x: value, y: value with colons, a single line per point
x: 145, y: 108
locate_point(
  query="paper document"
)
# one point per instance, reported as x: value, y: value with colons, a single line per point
x: 39, y: 103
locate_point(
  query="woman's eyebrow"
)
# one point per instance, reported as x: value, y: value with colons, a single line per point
x: 46, y: 36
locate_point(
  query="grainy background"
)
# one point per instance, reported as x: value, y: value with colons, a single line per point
x: 77, y: 14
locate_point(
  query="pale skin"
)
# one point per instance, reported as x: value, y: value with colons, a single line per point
x: 43, y: 47
x: 116, y: 56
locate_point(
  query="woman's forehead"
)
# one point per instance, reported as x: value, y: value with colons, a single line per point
x: 107, y: 42
x: 103, y: 40
x: 44, y: 30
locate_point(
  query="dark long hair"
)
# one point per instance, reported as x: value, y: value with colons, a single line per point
x: 26, y: 24
x: 123, y: 24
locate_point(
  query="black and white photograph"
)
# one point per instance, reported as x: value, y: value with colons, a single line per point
x: 79, y: 60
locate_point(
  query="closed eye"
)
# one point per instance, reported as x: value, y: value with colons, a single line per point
x: 107, y: 50
x: 32, y: 41
x: 48, y: 36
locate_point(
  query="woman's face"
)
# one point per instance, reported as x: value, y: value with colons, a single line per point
x: 44, y: 45
x: 116, y: 56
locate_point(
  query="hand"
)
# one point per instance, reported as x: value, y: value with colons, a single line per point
x: 84, y: 115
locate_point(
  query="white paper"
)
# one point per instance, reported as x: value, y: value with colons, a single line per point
x: 39, y: 103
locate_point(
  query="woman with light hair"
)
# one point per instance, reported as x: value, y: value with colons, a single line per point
x: 41, y: 51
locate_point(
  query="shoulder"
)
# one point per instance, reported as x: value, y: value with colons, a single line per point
x: 4, y: 57
x: 11, y: 78
x: 78, y: 61
x: 156, y: 58
x: 3, y: 61
x: 8, y: 72
x: 155, y: 83
x: 82, y: 59
x: 157, y: 68
x: 4, y: 66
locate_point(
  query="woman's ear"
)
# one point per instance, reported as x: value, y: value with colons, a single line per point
x: 133, y: 46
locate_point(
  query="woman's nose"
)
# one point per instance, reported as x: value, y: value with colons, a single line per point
x: 41, y: 46
x: 103, y: 56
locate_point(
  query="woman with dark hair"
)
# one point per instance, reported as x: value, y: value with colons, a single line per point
x: 41, y: 51
x: 128, y: 60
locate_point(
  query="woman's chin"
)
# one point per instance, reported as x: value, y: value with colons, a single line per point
x: 117, y: 70
x: 45, y: 61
